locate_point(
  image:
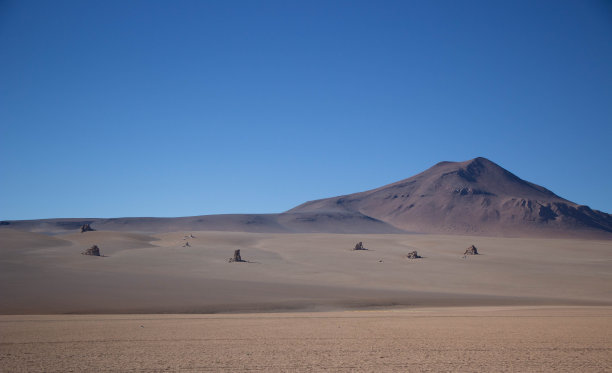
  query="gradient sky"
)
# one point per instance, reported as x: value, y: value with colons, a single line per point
x: 177, y: 108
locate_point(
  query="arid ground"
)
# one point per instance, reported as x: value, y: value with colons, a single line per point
x: 303, y: 302
x: 155, y: 273
x: 484, y: 339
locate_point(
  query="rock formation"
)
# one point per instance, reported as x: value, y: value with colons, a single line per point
x: 94, y: 251
x: 472, y: 250
x: 187, y: 244
x: 413, y: 255
x: 86, y: 228
x: 237, y: 257
x: 359, y: 246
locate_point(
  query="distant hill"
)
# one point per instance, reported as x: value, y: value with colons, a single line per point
x: 308, y: 222
x: 476, y: 197
x: 472, y: 197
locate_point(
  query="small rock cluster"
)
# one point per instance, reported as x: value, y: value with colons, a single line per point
x: 86, y: 228
x: 93, y: 251
x: 359, y: 246
x: 472, y: 250
x: 186, y: 238
x: 413, y: 255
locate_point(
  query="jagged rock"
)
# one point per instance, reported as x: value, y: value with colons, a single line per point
x: 359, y: 246
x: 86, y: 228
x: 94, y: 251
x: 472, y: 250
x: 237, y: 257
x: 413, y: 255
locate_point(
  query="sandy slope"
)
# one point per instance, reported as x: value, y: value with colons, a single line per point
x: 154, y: 273
x: 474, y: 339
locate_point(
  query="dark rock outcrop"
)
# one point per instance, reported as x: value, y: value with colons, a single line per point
x: 93, y: 251
x: 472, y: 250
x: 359, y: 246
x: 236, y: 257
x: 413, y: 255
x: 86, y: 228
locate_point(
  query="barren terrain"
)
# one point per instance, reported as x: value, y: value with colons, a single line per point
x: 154, y: 303
x: 475, y: 339
x: 143, y: 273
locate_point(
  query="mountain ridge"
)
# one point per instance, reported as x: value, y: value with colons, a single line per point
x: 473, y: 197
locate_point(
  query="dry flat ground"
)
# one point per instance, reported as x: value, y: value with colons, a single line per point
x: 475, y: 339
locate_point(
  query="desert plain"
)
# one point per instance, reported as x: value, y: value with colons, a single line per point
x: 303, y: 302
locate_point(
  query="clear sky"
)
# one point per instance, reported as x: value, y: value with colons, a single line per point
x: 176, y: 108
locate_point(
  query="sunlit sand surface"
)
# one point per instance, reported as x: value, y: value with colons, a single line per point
x: 154, y: 273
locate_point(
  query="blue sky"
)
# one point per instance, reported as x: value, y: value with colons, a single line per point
x: 177, y: 108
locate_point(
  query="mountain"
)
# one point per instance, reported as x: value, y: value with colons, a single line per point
x: 475, y: 197
x: 472, y: 197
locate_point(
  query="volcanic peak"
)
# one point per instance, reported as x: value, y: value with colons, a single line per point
x: 471, y: 197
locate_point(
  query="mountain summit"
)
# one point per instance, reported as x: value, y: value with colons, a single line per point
x: 472, y: 197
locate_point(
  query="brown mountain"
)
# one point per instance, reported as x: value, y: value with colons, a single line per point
x: 471, y: 197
